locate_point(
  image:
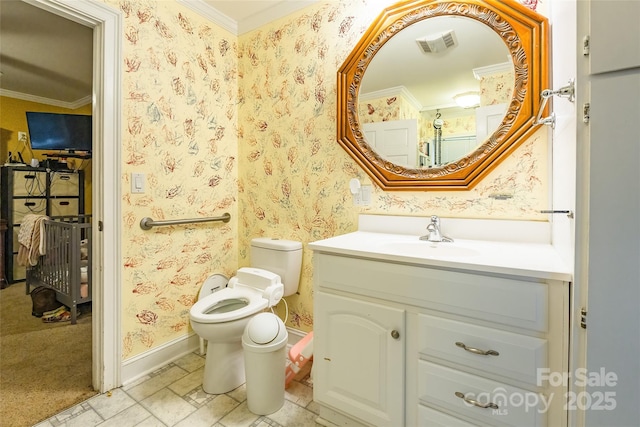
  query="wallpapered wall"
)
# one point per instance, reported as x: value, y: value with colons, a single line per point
x: 179, y: 129
x: 294, y: 175
x: 246, y: 125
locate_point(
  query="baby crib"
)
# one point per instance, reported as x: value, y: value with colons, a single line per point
x: 65, y: 265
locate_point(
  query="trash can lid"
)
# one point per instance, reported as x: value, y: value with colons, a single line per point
x: 264, y: 328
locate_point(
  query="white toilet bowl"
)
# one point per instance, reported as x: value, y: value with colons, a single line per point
x: 221, y: 317
x: 222, y: 313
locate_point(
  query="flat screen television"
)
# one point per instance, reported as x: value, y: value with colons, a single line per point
x: 53, y: 131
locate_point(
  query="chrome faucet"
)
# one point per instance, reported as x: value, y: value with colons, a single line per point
x: 433, y: 232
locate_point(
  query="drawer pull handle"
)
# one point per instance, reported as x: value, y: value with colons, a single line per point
x: 477, y: 350
x: 489, y: 405
x: 395, y: 334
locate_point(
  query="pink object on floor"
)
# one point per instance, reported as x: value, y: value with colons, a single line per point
x: 299, y: 355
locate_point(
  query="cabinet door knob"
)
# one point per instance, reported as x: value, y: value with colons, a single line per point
x: 477, y: 350
x: 395, y: 334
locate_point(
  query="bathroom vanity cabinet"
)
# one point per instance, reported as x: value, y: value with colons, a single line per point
x: 408, y: 343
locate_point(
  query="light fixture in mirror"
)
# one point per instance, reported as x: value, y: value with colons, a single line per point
x: 467, y: 99
x: 375, y: 101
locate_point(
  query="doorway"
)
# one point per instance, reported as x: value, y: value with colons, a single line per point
x: 106, y: 23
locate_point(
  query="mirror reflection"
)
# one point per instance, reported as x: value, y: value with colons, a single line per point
x: 407, y: 105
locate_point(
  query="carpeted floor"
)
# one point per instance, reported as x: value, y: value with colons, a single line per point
x: 44, y: 367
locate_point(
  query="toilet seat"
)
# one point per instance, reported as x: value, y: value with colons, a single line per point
x: 250, y: 301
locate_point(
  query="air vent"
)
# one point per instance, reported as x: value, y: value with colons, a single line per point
x: 437, y: 42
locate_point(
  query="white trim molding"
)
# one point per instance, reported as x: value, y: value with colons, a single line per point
x: 490, y: 70
x: 268, y: 13
x: 145, y: 363
x: 48, y: 101
x: 202, y: 8
x: 393, y: 91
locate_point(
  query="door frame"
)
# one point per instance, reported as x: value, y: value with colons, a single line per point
x: 106, y: 23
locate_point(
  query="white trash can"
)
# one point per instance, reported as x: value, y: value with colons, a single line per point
x: 264, y: 342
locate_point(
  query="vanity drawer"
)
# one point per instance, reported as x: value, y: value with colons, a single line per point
x: 509, y: 301
x: 438, y: 386
x: 428, y: 417
x: 518, y: 356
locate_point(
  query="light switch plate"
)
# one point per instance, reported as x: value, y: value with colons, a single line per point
x: 362, y: 196
x: 137, y: 183
x: 365, y: 195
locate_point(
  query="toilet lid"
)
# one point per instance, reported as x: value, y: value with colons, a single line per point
x: 213, y: 283
x: 227, y: 305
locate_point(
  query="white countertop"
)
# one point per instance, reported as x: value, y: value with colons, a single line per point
x: 533, y: 260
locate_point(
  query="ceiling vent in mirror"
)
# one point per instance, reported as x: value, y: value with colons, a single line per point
x: 438, y: 42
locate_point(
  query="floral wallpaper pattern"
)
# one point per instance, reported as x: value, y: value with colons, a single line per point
x: 247, y: 125
x: 294, y: 176
x: 497, y: 88
x: 179, y: 120
x: 386, y: 109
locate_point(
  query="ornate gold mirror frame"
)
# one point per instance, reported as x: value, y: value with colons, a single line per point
x: 524, y: 32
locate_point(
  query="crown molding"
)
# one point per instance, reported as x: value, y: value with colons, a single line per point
x: 271, y: 14
x: 489, y: 70
x: 251, y: 22
x: 48, y: 101
x: 212, y: 14
x: 392, y: 91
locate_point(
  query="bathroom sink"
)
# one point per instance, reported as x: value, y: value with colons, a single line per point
x: 421, y: 248
x: 492, y: 246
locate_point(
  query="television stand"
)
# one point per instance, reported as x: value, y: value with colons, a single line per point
x: 68, y: 155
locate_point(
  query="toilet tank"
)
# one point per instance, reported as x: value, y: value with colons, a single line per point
x: 283, y: 257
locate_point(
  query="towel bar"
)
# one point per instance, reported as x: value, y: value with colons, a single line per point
x: 147, y: 223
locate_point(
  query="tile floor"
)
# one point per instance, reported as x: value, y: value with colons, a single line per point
x: 173, y: 396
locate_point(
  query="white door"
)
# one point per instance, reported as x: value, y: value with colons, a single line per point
x: 608, y: 216
x: 488, y: 118
x: 396, y: 140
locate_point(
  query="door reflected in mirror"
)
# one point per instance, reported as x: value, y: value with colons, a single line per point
x: 411, y: 85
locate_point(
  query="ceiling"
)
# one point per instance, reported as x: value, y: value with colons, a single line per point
x: 432, y: 79
x: 49, y: 59
x: 44, y: 57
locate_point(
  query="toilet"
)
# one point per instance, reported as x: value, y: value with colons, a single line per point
x: 220, y: 317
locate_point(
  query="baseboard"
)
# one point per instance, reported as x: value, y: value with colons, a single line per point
x: 294, y: 336
x: 152, y: 360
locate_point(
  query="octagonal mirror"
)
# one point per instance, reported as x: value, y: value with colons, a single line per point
x: 396, y: 112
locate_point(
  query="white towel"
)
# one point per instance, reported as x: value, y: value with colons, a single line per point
x: 31, y: 239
